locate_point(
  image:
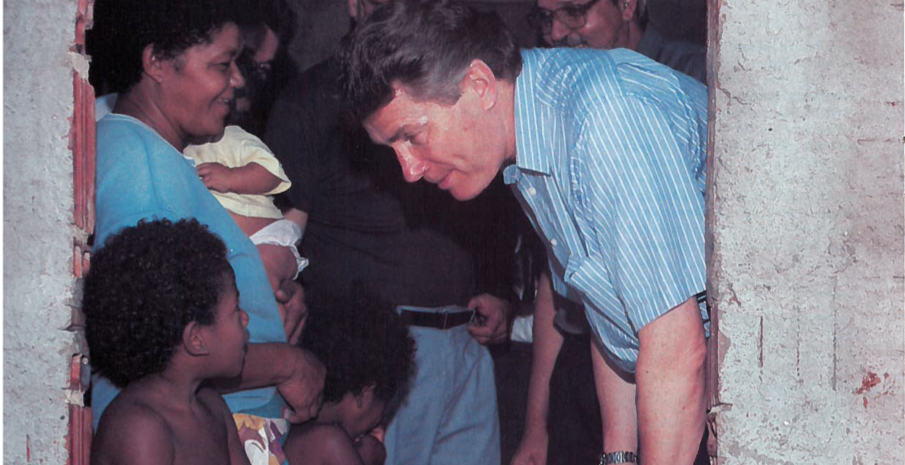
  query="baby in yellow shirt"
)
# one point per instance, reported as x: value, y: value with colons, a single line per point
x: 244, y: 175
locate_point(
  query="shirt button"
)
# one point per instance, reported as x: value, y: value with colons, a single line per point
x: 532, y: 191
x: 553, y: 242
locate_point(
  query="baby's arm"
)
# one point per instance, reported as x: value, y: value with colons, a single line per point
x: 248, y: 179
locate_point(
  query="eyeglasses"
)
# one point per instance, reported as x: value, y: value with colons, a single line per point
x: 571, y: 16
x: 250, y: 68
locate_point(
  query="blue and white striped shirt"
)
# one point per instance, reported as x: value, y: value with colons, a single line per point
x: 610, y: 170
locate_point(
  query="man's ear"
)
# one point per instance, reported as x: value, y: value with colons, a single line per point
x: 628, y: 9
x: 480, y: 79
x: 152, y: 64
x: 193, y: 339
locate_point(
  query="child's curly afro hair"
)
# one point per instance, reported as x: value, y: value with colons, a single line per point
x: 144, y: 286
x: 361, y: 341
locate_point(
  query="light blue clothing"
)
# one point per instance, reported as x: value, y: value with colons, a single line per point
x: 141, y: 176
x: 610, y: 170
x: 449, y: 416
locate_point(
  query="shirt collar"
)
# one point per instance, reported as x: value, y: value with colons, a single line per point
x: 529, y: 134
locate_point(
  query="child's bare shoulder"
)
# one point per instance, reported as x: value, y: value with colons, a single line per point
x: 132, y: 431
x: 320, y: 443
x: 214, y: 402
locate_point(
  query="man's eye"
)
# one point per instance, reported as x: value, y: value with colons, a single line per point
x: 575, y: 12
x: 417, y: 139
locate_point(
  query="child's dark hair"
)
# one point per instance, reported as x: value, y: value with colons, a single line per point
x: 361, y: 341
x: 144, y: 286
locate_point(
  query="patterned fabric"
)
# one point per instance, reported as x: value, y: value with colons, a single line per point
x: 610, y: 170
x: 262, y: 438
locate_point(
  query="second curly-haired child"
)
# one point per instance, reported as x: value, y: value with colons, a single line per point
x: 368, y: 353
x: 162, y: 316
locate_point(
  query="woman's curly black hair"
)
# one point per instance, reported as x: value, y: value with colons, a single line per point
x: 361, y: 342
x: 123, y: 28
x: 144, y: 286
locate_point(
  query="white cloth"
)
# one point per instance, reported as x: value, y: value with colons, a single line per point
x: 285, y: 233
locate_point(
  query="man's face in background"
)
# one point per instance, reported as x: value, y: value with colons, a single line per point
x: 601, y: 24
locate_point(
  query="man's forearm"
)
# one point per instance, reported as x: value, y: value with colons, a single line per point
x: 545, y: 349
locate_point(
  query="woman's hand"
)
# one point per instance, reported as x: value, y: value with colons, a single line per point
x: 280, y: 264
x: 291, y: 301
x: 302, y: 389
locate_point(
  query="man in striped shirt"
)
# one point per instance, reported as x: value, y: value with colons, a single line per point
x: 605, y: 150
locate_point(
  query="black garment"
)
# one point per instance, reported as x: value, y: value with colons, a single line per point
x: 684, y: 57
x: 574, y: 412
x: 407, y: 243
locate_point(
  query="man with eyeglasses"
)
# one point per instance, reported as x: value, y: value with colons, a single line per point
x: 608, y: 24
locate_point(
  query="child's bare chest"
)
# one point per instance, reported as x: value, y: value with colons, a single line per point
x: 200, y: 440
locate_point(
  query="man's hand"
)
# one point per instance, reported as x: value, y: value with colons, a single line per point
x: 215, y: 176
x: 492, y: 323
x: 291, y: 301
x: 302, y: 390
x: 532, y: 450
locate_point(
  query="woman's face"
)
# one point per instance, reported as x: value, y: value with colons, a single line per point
x: 197, y: 86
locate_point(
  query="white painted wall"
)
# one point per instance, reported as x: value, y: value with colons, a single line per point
x: 37, y: 228
x: 806, y: 214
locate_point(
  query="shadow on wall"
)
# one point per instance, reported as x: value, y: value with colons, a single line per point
x: 321, y: 24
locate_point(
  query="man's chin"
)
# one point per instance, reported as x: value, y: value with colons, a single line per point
x: 463, y: 197
x: 464, y: 193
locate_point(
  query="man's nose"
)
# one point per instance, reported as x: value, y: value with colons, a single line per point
x: 558, y: 30
x: 412, y: 168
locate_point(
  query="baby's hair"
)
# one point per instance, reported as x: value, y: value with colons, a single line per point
x: 144, y: 286
x: 361, y: 341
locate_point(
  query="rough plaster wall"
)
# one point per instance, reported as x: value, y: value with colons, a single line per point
x: 806, y: 217
x: 37, y: 227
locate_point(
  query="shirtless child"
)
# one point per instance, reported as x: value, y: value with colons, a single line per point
x: 243, y: 175
x: 162, y: 316
x: 367, y: 351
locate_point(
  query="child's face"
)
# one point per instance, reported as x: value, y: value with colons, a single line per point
x: 367, y: 416
x: 229, y: 339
